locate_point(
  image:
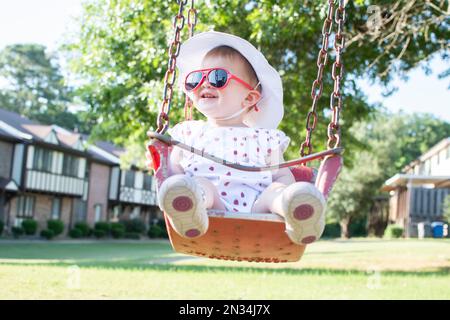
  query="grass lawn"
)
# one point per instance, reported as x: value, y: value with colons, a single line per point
x: 352, y: 269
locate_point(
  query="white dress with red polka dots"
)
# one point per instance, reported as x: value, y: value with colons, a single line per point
x: 238, y: 190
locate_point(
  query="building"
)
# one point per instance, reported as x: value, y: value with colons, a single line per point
x: 47, y: 172
x: 417, y: 195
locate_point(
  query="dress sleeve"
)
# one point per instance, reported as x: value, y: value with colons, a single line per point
x: 178, y: 132
x: 278, y: 143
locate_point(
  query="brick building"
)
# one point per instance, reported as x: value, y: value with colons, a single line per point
x: 47, y: 172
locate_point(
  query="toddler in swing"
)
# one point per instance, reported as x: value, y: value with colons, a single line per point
x: 231, y: 83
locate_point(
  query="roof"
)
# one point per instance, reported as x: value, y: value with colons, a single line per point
x: 13, y: 126
x: 14, y: 119
x: 111, y: 148
x: 402, y: 180
x: 8, y: 184
x: 6, y: 134
x: 432, y: 151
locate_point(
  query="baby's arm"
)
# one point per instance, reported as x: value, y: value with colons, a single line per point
x: 283, y: 175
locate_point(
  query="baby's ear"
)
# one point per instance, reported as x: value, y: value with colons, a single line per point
x: 252, y: 98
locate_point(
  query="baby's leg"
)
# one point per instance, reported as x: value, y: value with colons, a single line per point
x: 185, y: 202
x: 211, y: 195
x: 270, y: 200
x: 301, y: 204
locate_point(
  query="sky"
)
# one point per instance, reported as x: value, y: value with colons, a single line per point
x: 47, y: 22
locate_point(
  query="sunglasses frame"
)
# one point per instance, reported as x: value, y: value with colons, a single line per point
x: 205, y: 75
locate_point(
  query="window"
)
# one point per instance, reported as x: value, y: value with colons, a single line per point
x: 98, y: 212
x: 147, y: 182
x: 56, y: 209
x: 116, y: 211
x: 129, y: 179
x: 135, y: 213
x: 427, y: 166
x: 25, y: 206
x: 79, y: 210
x: 42, y: 159
x: 70, y: 166
x: 442, y: 155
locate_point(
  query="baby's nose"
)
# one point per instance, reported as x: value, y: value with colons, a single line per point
x: 206, y: 83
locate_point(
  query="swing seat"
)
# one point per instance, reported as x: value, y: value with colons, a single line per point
x: 257, y: 237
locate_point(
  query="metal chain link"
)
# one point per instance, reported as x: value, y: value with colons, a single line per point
x: 317, y: 86
x: 192, y: 19
x: 192, y: 22
x: 334, y: 130
x: 170, y: 76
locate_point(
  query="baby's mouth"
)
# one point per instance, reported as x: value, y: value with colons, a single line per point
x: 207, y: 96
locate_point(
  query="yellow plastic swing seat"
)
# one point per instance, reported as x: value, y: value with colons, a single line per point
x: 256, y: 237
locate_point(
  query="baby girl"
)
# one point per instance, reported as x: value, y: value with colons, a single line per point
x: 231, y: 83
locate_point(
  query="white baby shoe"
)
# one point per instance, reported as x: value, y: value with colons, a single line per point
x: 304, y: 212
x: 182, y: 200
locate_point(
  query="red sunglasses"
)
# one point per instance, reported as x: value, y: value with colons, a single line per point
x: 217, y: 77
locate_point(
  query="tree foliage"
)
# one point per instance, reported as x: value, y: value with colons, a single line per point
x: 120, y: 55
x: 34, y: 86
x: 446, y: 209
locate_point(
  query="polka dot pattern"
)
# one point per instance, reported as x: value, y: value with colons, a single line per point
x: 248, y: 146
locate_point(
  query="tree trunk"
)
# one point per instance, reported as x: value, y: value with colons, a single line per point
x: 344, y: 223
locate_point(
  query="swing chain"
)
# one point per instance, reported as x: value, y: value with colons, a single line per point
x: 170, y: 76
x: 192, y: 22
x: 192, y: 19
x: 317, y: 86
x: 334, y: 130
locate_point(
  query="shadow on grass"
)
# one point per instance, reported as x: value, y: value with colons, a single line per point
x: 167, y: 267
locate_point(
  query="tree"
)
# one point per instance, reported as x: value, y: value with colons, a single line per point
x: 391, y: 141
x: 121, y: 55
x: 34, y: 86
x: 446, y: 209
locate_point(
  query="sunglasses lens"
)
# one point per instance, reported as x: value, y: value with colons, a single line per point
x: 218, y: 78
x: 192, y: 80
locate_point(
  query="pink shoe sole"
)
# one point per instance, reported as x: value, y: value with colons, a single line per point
x: 304, y: 212
x: 181, y: 200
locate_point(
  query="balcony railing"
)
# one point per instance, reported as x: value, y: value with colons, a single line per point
x: 138, y: 196
x: 51, y: 182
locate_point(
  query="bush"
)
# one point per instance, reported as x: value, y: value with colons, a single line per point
x: 156, y: 231
x: 47, y: 234
x: 132, y: 235
x: 357, y: 228
x: 134, y: 225
x: 446, y: 209
x: 393, y: 231
x: 91, y: 232
x: 17, y: 231
x: 332, y: 230
x: 83, y: 227
x: 162, y: 224
x: 29, y: 226
x: 2, y: 225
x: 75, y: 233
x: 57, y: 226
x: 99, y: 233
x: 103, y: 226
x: 117, y: 230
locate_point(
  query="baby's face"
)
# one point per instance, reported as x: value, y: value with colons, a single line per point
x: 224, y: 101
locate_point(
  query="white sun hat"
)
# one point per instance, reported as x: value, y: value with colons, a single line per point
x: 270, y: 106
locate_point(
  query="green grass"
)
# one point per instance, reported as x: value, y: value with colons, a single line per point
x: 353, y: 269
